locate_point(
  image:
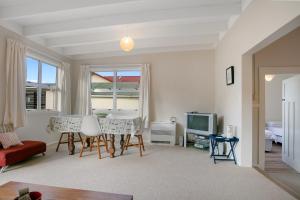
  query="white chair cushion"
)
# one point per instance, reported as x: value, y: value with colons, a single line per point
x: 90, y: 126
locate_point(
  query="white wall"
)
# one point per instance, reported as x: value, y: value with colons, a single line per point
x: 252, y: 31
x: 180, y: 82
x: 282, y: 52
x: 281, y: 56
x: 36, y: 127
x: 273, y: 97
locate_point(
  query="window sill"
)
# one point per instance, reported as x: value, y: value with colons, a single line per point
x: 41, y: 111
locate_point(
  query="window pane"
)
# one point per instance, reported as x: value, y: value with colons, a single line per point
x: 102, y: 90
x: 31, y: 98
x: 32, y: 66
x: 48, y: 73
x: 47, y: 99
x: 128, y: 84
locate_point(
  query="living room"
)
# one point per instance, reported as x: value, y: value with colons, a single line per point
x: 168, y: 64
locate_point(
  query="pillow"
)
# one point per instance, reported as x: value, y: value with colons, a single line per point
x: 9, y: 139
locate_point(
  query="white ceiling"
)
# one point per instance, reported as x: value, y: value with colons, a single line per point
x: 87, y: 28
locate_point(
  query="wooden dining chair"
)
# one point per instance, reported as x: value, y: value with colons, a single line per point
x: 139, y: 136
x: 91, y: 129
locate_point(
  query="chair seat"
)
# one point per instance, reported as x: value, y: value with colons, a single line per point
x: 19, y: 153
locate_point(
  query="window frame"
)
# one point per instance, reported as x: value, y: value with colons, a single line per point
x: 114, y: 69
x: 39, y: 85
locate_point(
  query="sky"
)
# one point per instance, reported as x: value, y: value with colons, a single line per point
x: 48, y: 71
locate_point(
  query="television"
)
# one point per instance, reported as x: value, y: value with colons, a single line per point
x: 202, y: 124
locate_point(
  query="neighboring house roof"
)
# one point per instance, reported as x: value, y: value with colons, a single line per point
x: 121, y: 78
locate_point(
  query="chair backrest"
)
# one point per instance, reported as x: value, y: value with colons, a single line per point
x: 90, y: 126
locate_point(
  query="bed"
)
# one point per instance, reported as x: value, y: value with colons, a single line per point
x: 275, y: 127
x: 268, y: 140
x: 273, y: 133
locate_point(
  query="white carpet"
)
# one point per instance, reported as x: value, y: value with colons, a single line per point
x: 164, y: 173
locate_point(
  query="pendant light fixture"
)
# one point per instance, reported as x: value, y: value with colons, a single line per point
x: 127, y: 44
x: 269, y: 77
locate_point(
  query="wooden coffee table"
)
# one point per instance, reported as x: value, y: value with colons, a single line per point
x: 10, y: 190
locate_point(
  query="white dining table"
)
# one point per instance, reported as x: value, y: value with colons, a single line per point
x: 111, y: 125
x: 70, y: 124
x: 119, y: 125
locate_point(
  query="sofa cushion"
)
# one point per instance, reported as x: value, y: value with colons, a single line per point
x: 19, y: 153
x: 9, y: 139
x: 4, y: 128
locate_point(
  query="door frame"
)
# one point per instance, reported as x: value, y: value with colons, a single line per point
x: 263, y: 70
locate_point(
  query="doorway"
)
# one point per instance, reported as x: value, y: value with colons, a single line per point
x: 277, y: 54
x: 265, y: 120
x: 278, y: 135
x: 274, y: 122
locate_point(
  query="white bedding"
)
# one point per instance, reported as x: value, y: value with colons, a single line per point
x: 268, y: 140
x: 276, y: 130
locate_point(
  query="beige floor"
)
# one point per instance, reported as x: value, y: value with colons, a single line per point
x: 164, y: 173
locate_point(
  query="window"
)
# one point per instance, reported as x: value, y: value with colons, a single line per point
x: 115, y: 90
x: 40, y: 84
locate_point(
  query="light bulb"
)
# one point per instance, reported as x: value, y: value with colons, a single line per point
x: 126, y: 43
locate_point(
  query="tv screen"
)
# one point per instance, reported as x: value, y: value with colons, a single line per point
x: 198, y: 122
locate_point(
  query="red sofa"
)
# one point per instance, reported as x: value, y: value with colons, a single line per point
x: 19, y: 153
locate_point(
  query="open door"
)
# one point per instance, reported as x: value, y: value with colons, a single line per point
x: 291, y: 122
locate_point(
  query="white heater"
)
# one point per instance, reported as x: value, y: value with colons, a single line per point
x: 163, y: 133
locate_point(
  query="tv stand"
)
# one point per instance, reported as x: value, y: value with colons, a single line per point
x: 185, y: 138
x: 186, y: 134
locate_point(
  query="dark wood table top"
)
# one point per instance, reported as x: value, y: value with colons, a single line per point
x: 10, y: 190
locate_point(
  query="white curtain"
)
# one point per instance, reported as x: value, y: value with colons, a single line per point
x: 15, y: 105
x: 83, y: 103
x: 63, y: 90
x: 145, y: 94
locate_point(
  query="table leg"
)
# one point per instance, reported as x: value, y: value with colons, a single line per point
x: 212, y: 148
x: 71, y: 145
x: 214, y: 156
x: 229, y: 151
x: 112, y: 148
x: 232, y: 148
x: 88, y: 142
x: 122, y: 141
x: 184, y: 138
